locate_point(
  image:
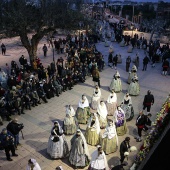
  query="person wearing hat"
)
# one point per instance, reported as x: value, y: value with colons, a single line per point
x: 14, y: 127
x: 124, y: 147
x: 7, y: 142
x: 148, y: 101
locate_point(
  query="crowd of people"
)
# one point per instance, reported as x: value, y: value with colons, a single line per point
x: 26, y: 86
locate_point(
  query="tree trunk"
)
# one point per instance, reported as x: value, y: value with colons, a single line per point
x: 151, y: 35
x: 32, y: 52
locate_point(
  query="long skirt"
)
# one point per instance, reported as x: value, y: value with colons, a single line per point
x: 116, y: 85
x: 111, y: 107
x: 58, y: 149
x: 95, y: 103
x: 82, y: 115
x: 70, y: 129
x: 121, y: 130
x: 92, y: 138
x: 129, y: 111
x: 134, y: 89
x: 78, y: 160
x: 103, y: 122
x: 109, y: 145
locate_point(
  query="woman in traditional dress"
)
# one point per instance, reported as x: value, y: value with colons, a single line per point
x: 33, y: 165
x: 57, y: 144
x: 79, y: 154
x: 122, y: 43
x: 70, y: 110
x: 130, y: 49
x: 134, y: 88
x: 111, y: 103
x: 102, y: 113
x: 120, y: 122
x: 112, y: 37
x: 83, y: 110
x: 93, y: 130
x: 116, y: 83
x: 127, y: 107
x: 70, y: 124
x: 132, y: 73
x: 109, y: 139
x: 99, y: 161
x: 95, y: 98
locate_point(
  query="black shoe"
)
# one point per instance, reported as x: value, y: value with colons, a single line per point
x: 10, y: 159
x: 22, y: 113
x: 15, y: 155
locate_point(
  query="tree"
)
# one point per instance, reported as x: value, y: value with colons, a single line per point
x: 39, y: 18
x: 154, y: 26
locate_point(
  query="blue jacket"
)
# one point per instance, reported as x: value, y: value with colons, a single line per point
x: 3, y: 139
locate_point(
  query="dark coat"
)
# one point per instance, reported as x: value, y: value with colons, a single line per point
x: 148, y: 99
x: 124, y: 147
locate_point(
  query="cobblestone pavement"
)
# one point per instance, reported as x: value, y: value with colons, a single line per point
x: 39, y: 120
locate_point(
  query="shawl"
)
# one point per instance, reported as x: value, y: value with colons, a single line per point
x: 110, y: 132
x: 70, y: 111
x: 96, y: 124
x: 98, y: 94
x: 102, y: 110
x: 113, y: 99
x: 97, y: 162
x: 85, y: 104
x: 36, y: 165
x: 119, y: 117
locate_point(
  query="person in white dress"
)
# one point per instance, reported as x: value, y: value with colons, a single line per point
x: 99, y: 161
x: 93, y: 130
x: 132, y: 73
x: 127, y: 107
x: 70, y: 124
x: 57, y: 144
x: 116, y: 83
x: 83, y: 110
x: 134, y: 88
x: 96, y: 98
x: 109, y: 139
x: 70, y: 110
x: 102, y: 113
x: 33, y: 165
x: 111, y: 103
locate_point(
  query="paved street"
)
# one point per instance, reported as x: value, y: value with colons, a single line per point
x: 39, y: 121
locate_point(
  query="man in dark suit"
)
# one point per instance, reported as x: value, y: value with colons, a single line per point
x: 148, y: 101
x: 124, y: 146
x: 140, y: 123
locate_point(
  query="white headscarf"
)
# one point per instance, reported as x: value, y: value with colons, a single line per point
x: 70, y: 111
x: 98, y: 94
x: 36, y: 165
x: 85, y: 104
x: 86, y: 150
x: 96, y: 161
x: 113, y: 99
x: 110, y: 132
x: 96, y: 125
x: 60, y: 129
x: 102, y: 110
